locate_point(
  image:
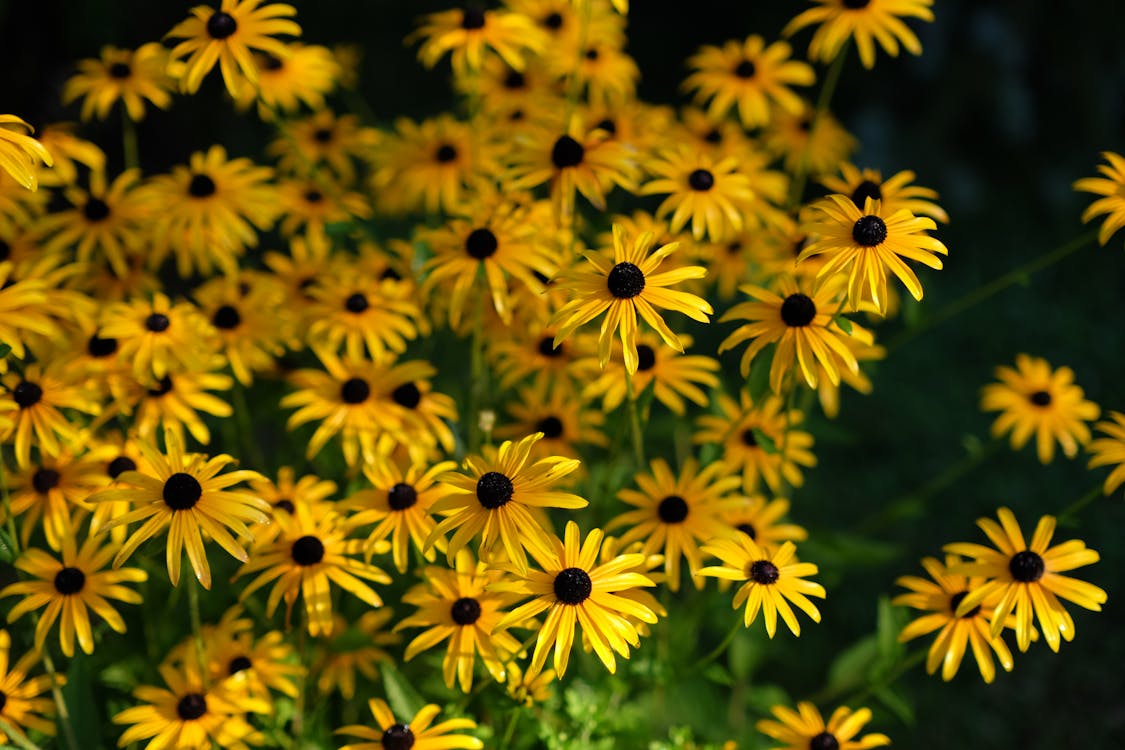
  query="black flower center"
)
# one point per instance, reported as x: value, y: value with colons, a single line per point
x: 745, y: 69
x: 402, y: 496
x: 869, y: 231
x: 749, y: 439
x: 514, y: 80
x: 798, y: 310
x: 1040, y: 398
x: 192, y: 705
x: 221, y: 25
x: 5, y: 253
x: 547, y: 347
x: 863, y: 191
x: 553, y: 21
x: 701, y: 180
x: 313, y: 196
x: 308, y: 550
x: 465, y: 611
x: 69, y: 581
x: 120, y: 70
x: 397, y: 737
x: 592, y: 54
x: 824, y: 740
x: 646, y: 357
x: 672, y: 509
x: 98, y: 347
x: 748, y: 529
x: 119, y: 466
x: 355, y: 391
x: 764, y: 572
x: 856, y: 4
x: 157, y: 322
x: 567, y: 152
x: 238, y: 664
x: 714, y: 136
x: 95, y: 209
x: 323, y: 135
x: 573, y: 586
x: 472, y: 18
x: 494, y: 489
x: 286, y: 505
x: 181, y: 491
x: 269, y: 62
x: 3, y: 700
x: 1026, y: 566
x: 481, y: 243
x: 445, y: 153
x: 226, y: 318
x: 356, y: 303
x: 390, y: 273
x: 625, y: 281
x: 164, y: 385
x: 407, y: 395
x: 608, y: 126
x: 27, y: 394
x: 955, y: 602
x: 45, y: 480
x: 551, y: 427
x: 201, y: 186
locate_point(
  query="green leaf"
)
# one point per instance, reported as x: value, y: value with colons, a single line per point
x: 759, y: 381
x: 719, y: 675
x: 896, y: 704
x: 844, y: 324
x: 7, y: 548
x: 851, y: 667
x: 889, y: 625
x: 5, y: 350
x: 764, y: 441
x: 404, y: 700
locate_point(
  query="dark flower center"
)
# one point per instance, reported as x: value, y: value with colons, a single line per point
x: 551, y: 427
x: 221, y: 25
x: 44, y: 480
x: 672, y: 509
x: 286, y: 505
x: 308, y: 550
x: 5, y: 250
x: 1026, y: 566
x: 238, y: 664
x: 69, y: 581
x: 157, y: 322
x: 120, y: 70
x: 472, y: 18
x: 869, y: 231
x: 567, y: 152
x: 402, y: 496
x: 397, y: 737
x: 745, y: 69
x: 201, y: 186
x: 714, y: 136
x: 1040, y: 398
x: 481, y: 243
x: 99, y: 347
x: 955, y: 602
x: 863, y: 191
x: 646, y: 357
x: 465, y: 611
x: 608, y: 126
x: 445, y: 153
x: 824, y: 740
x: 192, y: 705
x: 162, y: 387
x: 3, y: 700
x: 573, y: 586
x: 119, y: 466
x: 514, y: 80
x: 390, y: 273
x: 269, y: 62
x: 764, y: 572
x: 591, y: 54
x: 226, y: 318
x: 323, y: 135
x: 313, y: 196
x: 553, y: 21
x: 856, y: 4
x: 27, y: 394
x: 407, y: 395
x: 701, y: 180
x: 181, y: 491
x: 356, y: 303
x: 547, y: 347
x: 798, y: 310
x: 748, y: 529
x: 749, y: 439
x: 625, y: 281
x: 95, y: 209
x: 355, y: 391
x: 494, y: 489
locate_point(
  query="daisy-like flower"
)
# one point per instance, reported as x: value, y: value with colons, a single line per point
x: 159, y: 337
x: 865, y: 244
x: 185, y: 494
x: 23, y: 706
x: 174, y: 403
x: 674, y: 376
x: 311, y: 553
x: 420, y: 733
x: 467, y: 33
x: 710, y: 193
x: 121, y: 75
x: 675, y: 513
x: 759, y: 519
x: 940, y: 600
x: 310, y: 205
x: 566, y: 422
x: 895, y: 192
x: 38, y: 396
x: 1035, y: 400
x: 1111, y: 186
x: 251, y: 319
x: 20, y: 154
x: 227, y: 36
x: 49, y: 491
x: 323, y: 140
x: 457, y: 605
x: 68, y: 589
x: 575, y: 590
x: 286, y: 494
x: 305, y: 76
x: 867, y: 21
x: 494, y: 500
x: 748, y: 75
x: 622, y: 290
x: 1110, y: 450
x: 24, y: 310
x: 808, y: 144
x: 804, y: 729
x: 356, y: 646
x: 1024, y: 578
x: 805, y: 326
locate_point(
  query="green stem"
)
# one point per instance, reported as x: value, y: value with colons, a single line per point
x: 510, y: 730
x: 197, y: 627
x: 129, y: 141
x: 60, y: 700
x: 247, y: 443
x: 303, y: 656
x: 992, y: 288
x: 912, y: 660
x: 797, y: 189
x: 476, y: 375
x: 17, y: 736
x: 718, y: 650
x: 635, y: 422
x: 1071, y: 510
x: 9, y: 519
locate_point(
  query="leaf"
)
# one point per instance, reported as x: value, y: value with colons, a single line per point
x: 5, y: 349
x: 844, y: 324
x: 758, y: 384
x: 719, y: 675
x: 896, y: 704
x: 850, y: 668
x: 7, y: 549
x: 765, y: 442
x: 404, y: 700
x: 889, y: 624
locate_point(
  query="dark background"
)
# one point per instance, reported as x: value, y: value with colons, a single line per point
x: 1009, y: 104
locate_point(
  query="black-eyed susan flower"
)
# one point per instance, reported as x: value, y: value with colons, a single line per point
x: 770, y: 581
x: 529, y: 688
x: 305, y: 76
x: 750, y: 76
x: 804, y: 729
x: 865, y: 243
x: 1024, y: 578
x: 601, y: 69
x: 1035, y: 399
x: 159, y: 337
x: 131, y: 77
x: 866, y: 21
x: 566, y: 422
x: 323, y: 140
x: 23, y: 310
x: 575, y: 589
x: 1111, y: 186
x: 354, y: 313
x: 710, y: 194
x: 50, y: 491
x: 177, y: 402
x: 286, y: 494
x: 24, y: 704
x: 676, y: 512
x: 456, y: 605
x: 760, y: 519
x: 312, y: 205
x: 185, y: 495
x: 20, y: 154
x: 494, y: 500
x: 426, y: 414
x: 894, y: 192
x: 468, y: 32
x: 420, y: 733
x: 38, y: 396
x: 807, y: 144
x: 71, y: 154
x: 940, y: 599
x: 1110, y: 450
x: 251, y: 320
x: 355, y: 646
x: 625, y: 287
x: 311, y: 553
x: 69, y: 589
x: 228, y: 36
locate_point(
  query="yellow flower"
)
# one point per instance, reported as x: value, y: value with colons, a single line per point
x: 23, y: 310
x: 814, y: 145
x: 19, y: 153
x: 759, y: 519
x: 867, y: 21
x: 175, y: 402
x: 1111, y: 186
x: 128, y: 76
x: 38, y: 395
x: 1110, y: 450
x: 895, y: 192
x: 354, y: 646
x: 323, y: 140
x: 305, y: 76
x: 159, y: 337
x: 420, y: 733
x: 252, y: 321
x: 469, y: 32
x: 23, y: 706
x: 804, y: 729
x: 50, y: 490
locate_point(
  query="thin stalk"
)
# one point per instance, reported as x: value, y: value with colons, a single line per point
x: 510, y: 730
x: 1070, y: 511
x: 303, y: 656
x: 722, y: 647
x: 129, y: 141
x: 9, y: 519
x: 635, y: 422
x: 17, y: 736
x: 912, y: 660
x: 797, y: 188
x: 476, y: 375
x: 60, y: 700
x: 247, y: 443
x: 197, y: 627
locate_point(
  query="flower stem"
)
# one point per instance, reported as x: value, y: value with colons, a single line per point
x: 510, y: 730
x: 635, y: 422
x: 992, y: 288
x: 60, y: 700
x: 911, y: 660
x: 303, y: 656
x: 476, y: 376
x: 129, y: 141
x: 1070, y: 511
x: 797, y: 188
x: 247, y: 444
x: 716, y: 652
x: 17, y: 736
x: 197, y: 628
x: 9, y: 520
